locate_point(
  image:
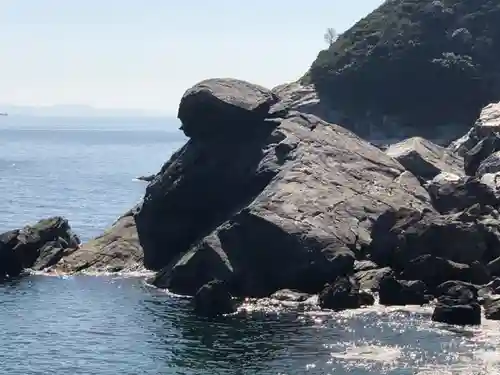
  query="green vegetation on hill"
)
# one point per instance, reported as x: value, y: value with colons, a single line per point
x: 426, y: 62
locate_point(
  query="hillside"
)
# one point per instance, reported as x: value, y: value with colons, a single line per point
x: 423, y: 62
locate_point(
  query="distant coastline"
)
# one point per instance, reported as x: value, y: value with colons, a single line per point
x: 77, y: 111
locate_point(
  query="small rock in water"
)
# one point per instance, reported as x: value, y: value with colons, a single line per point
x: 401, y: 292
x: 290, y: 295
x: 214, y: 299
x: 458, y: 304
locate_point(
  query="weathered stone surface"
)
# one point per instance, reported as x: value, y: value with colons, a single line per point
x: 489, y: 165
x: 117, y: 249
x: 222, y: 107
x: 449, y: 194
x: 364, y: 265
x: 286, y: 207
x: 401, y: 292
x: 492, y: 308
x: 425, y: 159
x: 479, y: 153
x: 402, y: 235
x: 342, y: 294
x: 370, y: 279
x: 378, y: 130
x: 288, y: 295
x: 214, y: 299
x: 434, y: 271
x: 37, y: 246
x: 458, y: 304
x: 487, y: 124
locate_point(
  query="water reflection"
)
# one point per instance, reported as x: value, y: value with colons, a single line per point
x: 88, y: 325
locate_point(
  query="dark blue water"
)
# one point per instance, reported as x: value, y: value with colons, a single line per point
x: 84, y: 170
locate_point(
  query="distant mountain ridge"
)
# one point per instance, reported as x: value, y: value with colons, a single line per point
x: 78, y: 111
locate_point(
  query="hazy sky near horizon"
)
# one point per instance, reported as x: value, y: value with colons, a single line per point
x: 146, y: 53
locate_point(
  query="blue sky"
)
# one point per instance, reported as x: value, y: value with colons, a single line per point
x: 145, y: 53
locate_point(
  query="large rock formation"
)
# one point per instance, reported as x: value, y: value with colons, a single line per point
x: 37, y: 247
x: 117, y: 249
x: 265, y: 201
x: 417, y: 64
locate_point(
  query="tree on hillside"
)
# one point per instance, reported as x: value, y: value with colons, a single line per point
x: 330, y: 36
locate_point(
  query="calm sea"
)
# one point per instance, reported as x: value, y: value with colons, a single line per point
x: 84, y: 169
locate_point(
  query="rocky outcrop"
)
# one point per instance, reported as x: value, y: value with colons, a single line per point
x: 370, y: 279
x: 486, y: 125
x: 224, y: 106
x: 117, y: 249
x: 267, y: 201
x: 425, y: 159
x: 37, y: 246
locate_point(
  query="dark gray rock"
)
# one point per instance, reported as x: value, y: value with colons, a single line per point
x: 286, y: 207
x: 457, y: 304
x: 434, y: 271
x: 489, y: 165
x: 342, y: 294
x: 425, y: 159
x: 479, y: 153
x: 200, y: 265
x: 394, y: 292
x: 224, y: 107
x: 450, y: 194
x: 412, y: 234
x: 492, y: 308
x: 37, y: 246
x: 214, y: 299
x: 370, y: 279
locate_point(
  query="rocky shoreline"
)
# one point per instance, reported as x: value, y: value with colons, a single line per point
x: 264, y: 200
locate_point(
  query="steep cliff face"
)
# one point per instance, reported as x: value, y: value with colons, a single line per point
x: 415, y: 63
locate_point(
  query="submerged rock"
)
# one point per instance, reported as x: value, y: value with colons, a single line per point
x: 37, y: 246
x: 266, y: 204
x: 425, y: 159
x: 214, y: 299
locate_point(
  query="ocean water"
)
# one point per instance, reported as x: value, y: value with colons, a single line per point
x: 85, y: 170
